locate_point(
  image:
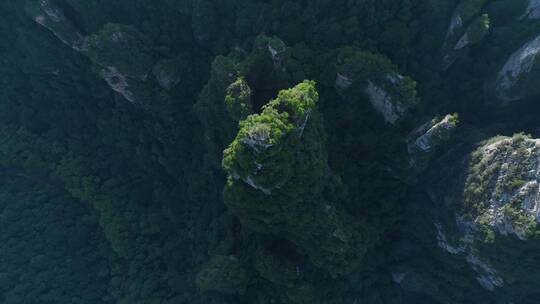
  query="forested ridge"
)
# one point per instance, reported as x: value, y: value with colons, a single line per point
x: 269, y: 151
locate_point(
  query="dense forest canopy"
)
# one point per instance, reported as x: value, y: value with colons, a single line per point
x: 269, y: 151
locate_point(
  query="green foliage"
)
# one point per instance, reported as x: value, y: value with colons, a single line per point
x: 93, y: 14
x: 268, y: 53
x: 468, y: 9
x: 71, y: 171
x: 454, y: 119
x: 498, y: 170
x: 233, y: 92
x: 276, y: 269
x: 425, y: 142
x: 478, y: 29
x: 224, y: 274
x: 302, y: 294
x: 151, y: 179
x: 297, y: 102
x: 361, y: 67
x: 238, y: 100
x: 258, y: 133
x: 277, y: 174
x: 204, y: 22
x: 520, y: 218
x: 62, y: 27
x: 505, y: 11
x: 467, y: 28
x: 122, y: 47
x: 211, y: 109
x: 55, y: 250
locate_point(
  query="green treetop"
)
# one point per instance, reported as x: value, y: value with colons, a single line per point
x: 238, y: 99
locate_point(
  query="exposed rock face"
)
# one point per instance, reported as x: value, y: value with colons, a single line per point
x: 276, y: 48
x: 275, y: 55
x: 532, y: 11
x: 487, y: 275
x: 458, y: 38
x: 125, y: 48
x: 464, y: 41
x: 258, y: 138
x: 423, y: 142
x: 467, y: 27
x: 502, y: 190
x: 383, y: 97
x: 456, y: 23
x: 383, y: 103
x: 516, y: 78
x: 117, y: 82
x: 50, y: 16
x: 493, y: 221
x: 342, y: 82
x: 124, y: 74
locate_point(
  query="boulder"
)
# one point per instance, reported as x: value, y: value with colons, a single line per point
x: 424, y: 141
